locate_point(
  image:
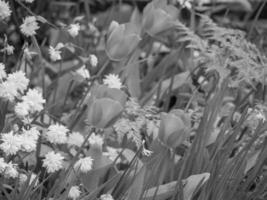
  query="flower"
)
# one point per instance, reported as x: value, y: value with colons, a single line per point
x: 106, y: 197
x: 5, y: 11
x: 19, y: 79
x: 83, y: 71
x: 29, y: 1
x: 74, y: 192
x: 74, y: 29
x: 9, y: 49
x: 103, y: 112
x: 28, y: 144
x: 3, y: 165
x: 34, y: 99
x: 2, y: 71
x: 10, y: 170
x: 174, y: 128
x: 29, y: 26
x: 32, y: 133
x: 93, y: 60
x: 29, y: 54
x: 84, y: 164
x: 75, y: 139
x: 112, y: 153
x: 57, y: 134
x: 158, y: 17
x: 11, y: 143
x: 96, y: 140
x: 8, y: 90
x: 53, y: 162
x: 122, y: 40
x: 54, y: 53
x: 22, y: 109
x: 112, y: 81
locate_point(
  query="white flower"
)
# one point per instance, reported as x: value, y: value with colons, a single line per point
x: 2, y: 71
x: 53, y: 162
x: 74, y: 29
x: 11, y: 143
x: 32, y: 133
x: 22, y: 109
x: 5, y: 11
x: 11, y: 171
x: 28, y: 144
x: 112, y: 81
x: 8, y: 90
x: 84, y: 164
x: 29, y: 54
x: 34, y: 99
x: 106, y: 197
x: 96, y: 140
x: 75, y: 139
x: 93, y: 60
x: 29, y: 26
x: 20, y: 79
x: 57, y: 134
x: 54, y: 53
x: 9, y: 49
x: 83, y: 71
x: 3, y: 165
x: 74, y: 192
x: 29, y: 1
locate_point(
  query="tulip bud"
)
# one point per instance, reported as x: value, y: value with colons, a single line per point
x: 158, y: 17
x: 122, y: 40
x: 103, y: 112
x: 173, y: 130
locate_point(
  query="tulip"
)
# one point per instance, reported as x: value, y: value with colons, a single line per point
x: 103, y: 112
x: 158, y: 17
x: 173, y: 129
x: 122, y: 40
x: 102, y: 91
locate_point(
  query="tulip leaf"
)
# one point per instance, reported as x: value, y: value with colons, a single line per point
x: 163, y: 191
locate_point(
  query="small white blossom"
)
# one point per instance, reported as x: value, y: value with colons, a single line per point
x: 5, y: 11
x: 11, y: 143
x: 53, y: 162
x: 96, y: 140
x: 74, y: 192
x: 75, y: 139
x: 32, y: 133
x: 29, y: 26
x: 112, y: 81
x: 29, y: 1
x: 93, y: 60
x: 106, y: 197
x: 29, y: 54
x: 20, y: 79
x: 83, y: 71
x: 54, y: 53
x: 2, y: 71
x: 3, y: 165
x: 28, y: 144
x: 22, y: 109
x: 56, y: 134
x: 84, y: 164
x: 34, y: 99
x: 74, y: 29
x: 9, y: 49
x: 8, y: 90
x: 11, y: 171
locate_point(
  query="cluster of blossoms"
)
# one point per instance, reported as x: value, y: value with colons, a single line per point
x: 9, y: 170
x: 31, y: 103
x: 112, y: 81
x: 29, y: 26
x: 57, y: 134
x: 13, y: 85
x: 12, y: 143
x: 5, y: 11
x: 55, y: 53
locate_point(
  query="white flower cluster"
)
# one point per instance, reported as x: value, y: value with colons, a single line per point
x: 53, y: 162
x: 57, y: 134
x: 5, y: 11
x: 95, y: 140
x: 112, y: 81
x: 55, y: 52
x: 74, y: 29
x: 9, y: 170
x: 14, y: 84
x: 84, y: 164
x: 75, y: 139
x: 74, y: 192
x: 31, y: 103
x: 12, y: 143
x: 29, y: 26
x: 106, y: 197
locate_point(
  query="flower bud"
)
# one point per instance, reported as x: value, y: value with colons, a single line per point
x: 103, y: 112
x: 173, y: 129
x: 158, y: 17
x: 122, y: 40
